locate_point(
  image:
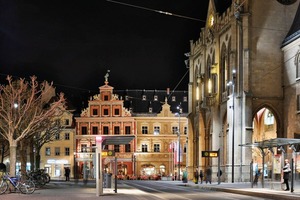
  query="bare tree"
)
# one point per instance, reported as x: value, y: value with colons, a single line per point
x: 24, y: 106
x: 50, y: 130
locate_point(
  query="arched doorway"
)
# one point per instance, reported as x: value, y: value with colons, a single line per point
x: 264, y: 128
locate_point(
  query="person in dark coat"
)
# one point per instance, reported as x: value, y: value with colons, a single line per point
x: 286, y: 174
x: 256, y: 176
x: 208, y: 175
x: 67, y: 173
x: 201, y: 175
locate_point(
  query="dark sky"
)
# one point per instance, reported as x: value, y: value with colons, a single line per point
x: 74, y: 42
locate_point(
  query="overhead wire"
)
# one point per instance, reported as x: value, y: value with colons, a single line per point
x: 157, y: 11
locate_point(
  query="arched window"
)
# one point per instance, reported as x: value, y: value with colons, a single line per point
x: 224, y: 68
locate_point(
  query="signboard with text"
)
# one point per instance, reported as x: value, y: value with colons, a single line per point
x: 210, y: 154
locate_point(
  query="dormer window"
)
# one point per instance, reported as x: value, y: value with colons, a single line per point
x: 105, y: 98
x: 144, y: 98
x: 155, y: 98
x: 173, y: 98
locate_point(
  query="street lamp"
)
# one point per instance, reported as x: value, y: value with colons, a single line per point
x: 232, y: 84
x: 179, y: 112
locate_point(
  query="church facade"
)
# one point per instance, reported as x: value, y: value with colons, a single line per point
x: 243, y: 87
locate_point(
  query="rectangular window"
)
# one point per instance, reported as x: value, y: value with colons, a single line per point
x: 175, y: 130
x: 127, y: 130
x: 117, y: 130
x: 67, y: 151
x: 155, y: 98
x: 93, y: 147
x: 67, y: 122
x: 57, y: 151
x: 185, y: 130
x: 105, y: 97
x: 117, y: 148
x: 117, y: 111
x: 95, y: 111
x: 67, y: 136
x: 83, y: 148
x: 144, y: 148
x: 144, y: 129
x: 48, y: 151
x: 156, y: 130
x: 84, y: 130
x: 57, y: 136
x: 105, y: 111
x: 95, y: 130
x: 127, y: 148
x: 156, y: 148
x: 105, y: 130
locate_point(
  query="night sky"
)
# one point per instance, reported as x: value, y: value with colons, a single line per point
x: 74, y: 42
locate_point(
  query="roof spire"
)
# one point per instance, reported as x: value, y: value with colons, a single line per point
x: 106, y: 77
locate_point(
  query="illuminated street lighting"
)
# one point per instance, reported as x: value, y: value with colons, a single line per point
x: 232, y: 84
x: 179, y: 112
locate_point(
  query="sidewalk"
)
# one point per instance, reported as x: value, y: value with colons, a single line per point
x: 245, y: 188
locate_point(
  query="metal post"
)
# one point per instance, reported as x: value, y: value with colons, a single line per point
x: 179, y: 147
x: 233, y: 119
x: 99, y: 182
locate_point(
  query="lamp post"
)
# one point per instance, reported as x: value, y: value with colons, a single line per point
x: 179, y: 112
x: 232, y: 84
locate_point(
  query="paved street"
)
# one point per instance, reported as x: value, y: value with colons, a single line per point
x: 70, y: 190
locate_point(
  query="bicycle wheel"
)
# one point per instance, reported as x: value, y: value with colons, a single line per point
x: 3, y: 186
x: 27, y: 187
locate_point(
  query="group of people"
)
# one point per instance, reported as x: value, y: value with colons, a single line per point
x: 200, y: 175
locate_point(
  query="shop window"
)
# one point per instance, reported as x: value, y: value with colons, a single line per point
x: 83, y: 148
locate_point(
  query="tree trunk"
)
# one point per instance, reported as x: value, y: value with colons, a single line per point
x: 13, y: 158
x: 23, y: 155
x: 31, y: 156
x: 37, y: 159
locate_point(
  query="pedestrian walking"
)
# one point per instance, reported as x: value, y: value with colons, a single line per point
x: 201, y: 175
x: 196, y: 176
x: 256, y: 176
x: 208, y: 175
x: 286, y: 174
x: 67, y: 173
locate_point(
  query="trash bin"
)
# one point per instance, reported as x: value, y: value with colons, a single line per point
x: 107, y: 177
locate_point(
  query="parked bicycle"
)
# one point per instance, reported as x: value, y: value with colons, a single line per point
x: 39, y: 177
x: 24, y: 186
